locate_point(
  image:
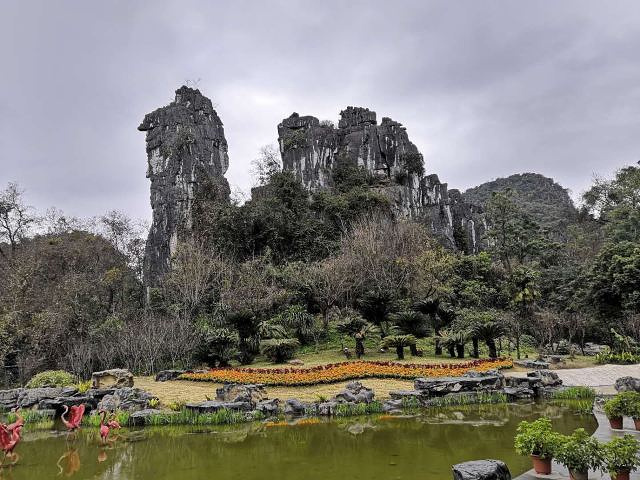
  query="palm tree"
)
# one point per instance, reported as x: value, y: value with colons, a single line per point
x: 439, y: 315
x: 399, y: 342
x: 358, y: 328
x: 376, y: 306
x: 454, y: 341
x: 488, y: 331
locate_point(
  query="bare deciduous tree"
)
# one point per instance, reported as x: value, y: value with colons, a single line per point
x: 16, y: 218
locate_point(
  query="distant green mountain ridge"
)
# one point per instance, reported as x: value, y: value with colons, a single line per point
x: 540, y: 197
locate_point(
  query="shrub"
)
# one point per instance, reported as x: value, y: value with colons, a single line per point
x: 52, y: 378
x: 624, y: 358
x: 218, y: 347
x: 623, y: 404
x: 579, y: 451
x: 621, y: 454
x: 280, y: 350
x: 537, y: 438
x: 398, y: 342
x: 83, y: 386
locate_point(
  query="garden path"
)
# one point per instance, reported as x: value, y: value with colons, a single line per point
x: 601, y: 378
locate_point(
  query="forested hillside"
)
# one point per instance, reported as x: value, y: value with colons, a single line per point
x: 540, y: 197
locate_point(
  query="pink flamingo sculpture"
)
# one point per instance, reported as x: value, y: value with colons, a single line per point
x: 104, y: 428
x: 9, y: 441
x: 75, y: 417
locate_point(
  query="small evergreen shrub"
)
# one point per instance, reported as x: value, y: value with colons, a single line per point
x: 52, y: 378
x: 621, y: 454
x: 623, y: 404
x: 579, y: 452
x: 279, y: 350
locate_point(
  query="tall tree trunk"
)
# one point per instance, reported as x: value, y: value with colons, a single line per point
x: 491, y: 345
x: 438, y: 346
x: 518, y: 346
x: 400, y: 352
x: 476, y: 347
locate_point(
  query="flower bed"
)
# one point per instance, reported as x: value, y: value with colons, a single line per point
x: 338, y: 372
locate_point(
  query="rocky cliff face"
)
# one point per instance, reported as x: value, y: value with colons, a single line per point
x: 186, y: 150
x: 311, y: 149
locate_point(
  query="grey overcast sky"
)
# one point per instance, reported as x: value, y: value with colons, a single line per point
x: 486, y: 88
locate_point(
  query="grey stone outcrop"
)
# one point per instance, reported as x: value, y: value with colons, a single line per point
x: 113, y: 378
x: 627, y: 384
x: 481, y: 470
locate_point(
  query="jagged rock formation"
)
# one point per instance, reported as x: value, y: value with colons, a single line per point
x: 311, y: 149
x: 186, y: 151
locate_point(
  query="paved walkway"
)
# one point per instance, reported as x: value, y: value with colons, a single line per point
x: 601, y: 378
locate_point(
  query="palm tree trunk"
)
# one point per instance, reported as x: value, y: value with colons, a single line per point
x: 400, y: 352
x: 460, y: 350
x: 414, y: 350
x: 476, y: 347
x: 452, y: 351
x: 491, y: 345
x: 438, y: 346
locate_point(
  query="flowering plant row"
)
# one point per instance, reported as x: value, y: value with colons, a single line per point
x: 338, y: 372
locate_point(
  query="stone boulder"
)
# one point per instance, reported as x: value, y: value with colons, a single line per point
x: 543, y: 378
x: 532, y: 364
x: 129, y: 399
x: 392, y: 406
x: 328, y: 408
x: 481, y: 470
x: 166, y: 375
x: 248, y: 393
x: 57, y: 404
x: 519, y: 392
x: 355, y: 392
x: 627, y: 384
x: 139, y: 418
x: 439, y: 386
x: 293, y: 406
x: 268, y: 407
x: 114, y: 378
x: 9, y: 398
x: 32, y: 397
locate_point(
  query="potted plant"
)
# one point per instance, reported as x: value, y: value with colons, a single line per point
x: 621, y: 456
x: 539, y: 441
x: 632, y: 406
x: 615, y: 409
x: 579, y: 452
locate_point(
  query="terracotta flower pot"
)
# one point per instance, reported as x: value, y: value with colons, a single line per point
x: 542, y: 466
x: 616, y: 423
x: 621, y: 475
x: 578, y: 475
x: 636, y: 422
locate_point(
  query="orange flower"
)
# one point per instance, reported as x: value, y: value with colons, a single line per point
x: 338, y: 372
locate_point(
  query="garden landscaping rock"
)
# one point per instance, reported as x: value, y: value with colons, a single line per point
x: 249, y: 393
x: 166, y: 375
x: 31, y: 397
x: 268, y: 407
x: 518, y: 393
x: 544, y: 378
x: 57, y: 404
x: 627, y: 384
x: 293, y: 406
x: 481, y: 470
x: 9, y: 398
x: 139, y: 418
x: 532, y: 364
x: 392, y: 406
x: 114, y: 378
x: 327, y: 408
x: 129, y: 399
x: 355, y: 392
x: 434, y: 387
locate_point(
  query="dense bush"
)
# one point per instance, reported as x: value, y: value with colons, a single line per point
x: 279, y: 350
x: 52, y: 378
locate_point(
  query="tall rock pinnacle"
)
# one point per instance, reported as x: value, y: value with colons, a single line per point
x: 186, y: 149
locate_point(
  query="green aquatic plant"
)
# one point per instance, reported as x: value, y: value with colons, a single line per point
x: 574, y: 393
x: 94, y: 420
x: 474, y: 399
x: 33, y: 419
x: 355, y: 409
x: 187, y: 417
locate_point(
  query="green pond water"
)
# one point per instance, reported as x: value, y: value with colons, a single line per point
x: 421, y: 447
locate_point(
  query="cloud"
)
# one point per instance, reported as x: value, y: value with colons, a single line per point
x: 485, y: 89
